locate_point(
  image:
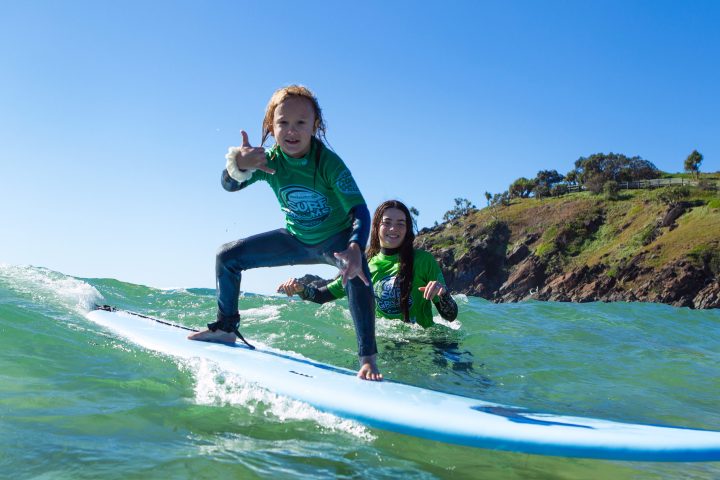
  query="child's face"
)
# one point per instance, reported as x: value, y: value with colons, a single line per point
x: 294, y: 125
x: 393, y: 228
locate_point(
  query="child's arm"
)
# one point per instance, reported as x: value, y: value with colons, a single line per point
x: 306, y: 292
x: 360, y: 225
x: 352, y: 256
x: 242, y: 162
x: 230, y: 184
x: 446, y: 306
x: 439, y: 294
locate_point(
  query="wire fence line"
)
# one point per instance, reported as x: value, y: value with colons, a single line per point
x: 654, y: 183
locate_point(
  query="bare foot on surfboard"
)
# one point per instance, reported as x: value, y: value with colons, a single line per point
x: 216, y: 336
x: 368, y: 369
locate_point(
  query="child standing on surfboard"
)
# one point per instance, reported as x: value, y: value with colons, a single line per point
x: 326, y: 218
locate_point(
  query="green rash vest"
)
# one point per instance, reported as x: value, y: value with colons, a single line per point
x: 384, y: 270
x: 316, y: 204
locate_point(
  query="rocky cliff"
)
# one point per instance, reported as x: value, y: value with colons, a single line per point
x: 583, y: 247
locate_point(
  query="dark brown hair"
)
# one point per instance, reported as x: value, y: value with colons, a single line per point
x: 407, y: 252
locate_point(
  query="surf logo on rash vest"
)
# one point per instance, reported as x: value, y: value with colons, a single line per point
x: 387, y: 295
x: 304, y: 206
x: 346, y: 184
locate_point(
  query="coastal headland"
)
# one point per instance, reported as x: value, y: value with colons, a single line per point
x: 650, y: 244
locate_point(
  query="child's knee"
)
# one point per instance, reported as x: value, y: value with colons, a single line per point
x: 230, y: 253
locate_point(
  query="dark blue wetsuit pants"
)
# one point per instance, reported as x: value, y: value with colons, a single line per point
x: 278, y: 247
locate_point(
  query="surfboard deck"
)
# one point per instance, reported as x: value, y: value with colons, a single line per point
x: 421, y: 412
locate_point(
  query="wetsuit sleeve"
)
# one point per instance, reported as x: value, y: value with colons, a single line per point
x: 317, y: 295
x: 232, y: 185
x: 446, y: 306
x: 360, y: 225
x: 336, y: 288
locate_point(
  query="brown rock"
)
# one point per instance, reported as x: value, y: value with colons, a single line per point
x: 708, y: 297
x: 519, y: 253
x: 528, y: 275
x: 673, y: 214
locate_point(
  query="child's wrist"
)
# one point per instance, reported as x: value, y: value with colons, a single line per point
x: 236, y: 173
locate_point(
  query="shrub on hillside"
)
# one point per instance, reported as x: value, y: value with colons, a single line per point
x: 559, y: 190
x: 707, y: 185
x: 594, y: 183
x: 673, y: 195
x: 541, y: 191
x: 708, y: 256
x: 611, y: 190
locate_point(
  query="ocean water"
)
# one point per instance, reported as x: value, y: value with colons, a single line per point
x: 78, y: 402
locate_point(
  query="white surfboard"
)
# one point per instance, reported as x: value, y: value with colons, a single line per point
x: 420, y: 412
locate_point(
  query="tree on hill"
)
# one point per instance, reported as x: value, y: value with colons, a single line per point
x: 544, y: 182
x: 572, y: 177
x: 595, y: 170
x: 463, y: 206
x: 548, y: 178
x: 692, y: 163
x: 502, y: 199
x: 522, y: 187
x: 414, y: 213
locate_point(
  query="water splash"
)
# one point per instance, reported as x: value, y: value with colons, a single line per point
x: 214, y: 386
x: 45, y: 286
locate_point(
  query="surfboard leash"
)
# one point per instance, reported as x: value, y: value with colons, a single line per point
x: 110, y: 308
x: 229, y: 325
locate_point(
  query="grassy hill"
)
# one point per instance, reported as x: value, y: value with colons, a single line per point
x: 583, y: 247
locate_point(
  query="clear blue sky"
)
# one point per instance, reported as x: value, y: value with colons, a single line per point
x: 115, y: 116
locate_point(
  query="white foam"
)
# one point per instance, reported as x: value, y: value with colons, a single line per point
x: 46, y: 286
x: 264, y: 314
x: 454, y: 325
x: 461, y: 298
x: 216, y: 387
x: 331, y: 310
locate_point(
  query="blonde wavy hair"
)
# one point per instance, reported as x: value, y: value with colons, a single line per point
x: 280, y: 96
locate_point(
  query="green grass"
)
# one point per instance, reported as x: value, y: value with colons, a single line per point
x: 691, y: 176
x: 698, y: 227
x: 629, y: 228
x: 545, y: 249
x: 707, y: 255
